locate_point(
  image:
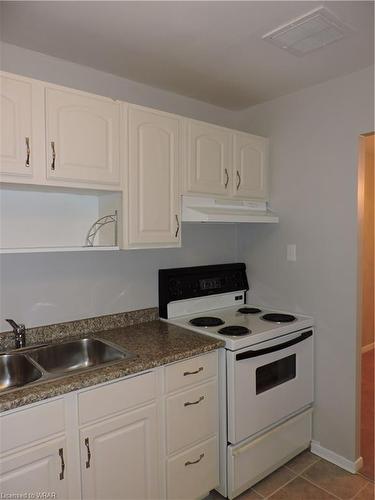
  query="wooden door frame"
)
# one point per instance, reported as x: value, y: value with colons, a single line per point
x: 360, y: 236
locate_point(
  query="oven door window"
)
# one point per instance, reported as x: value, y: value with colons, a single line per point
x: 276, y: 373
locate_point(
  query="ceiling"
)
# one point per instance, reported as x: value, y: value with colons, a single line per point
x: 212, y: 51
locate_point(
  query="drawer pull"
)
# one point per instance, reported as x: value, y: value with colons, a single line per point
x: 188, y: 403
x: 87, y: 444
x: 61, y: 455
x: 194, y: 461
x: 200, y: 369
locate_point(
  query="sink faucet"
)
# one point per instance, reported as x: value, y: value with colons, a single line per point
x: 19, y: 333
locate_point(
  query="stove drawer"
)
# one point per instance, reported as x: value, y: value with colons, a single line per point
x: 192, y: 371
x: 191, y: 416
x: 193, y: 473
x: 251, y: 461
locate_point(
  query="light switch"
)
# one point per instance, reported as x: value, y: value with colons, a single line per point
x: 291, y: 253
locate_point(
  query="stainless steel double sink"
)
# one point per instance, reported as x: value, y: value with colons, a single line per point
x: 48, y: 362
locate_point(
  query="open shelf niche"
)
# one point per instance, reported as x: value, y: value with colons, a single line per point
x: 44, y: 219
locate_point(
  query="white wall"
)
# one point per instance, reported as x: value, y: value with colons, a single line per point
x: 47, y: 288
x: 51, y: 69
x: 314, y: 155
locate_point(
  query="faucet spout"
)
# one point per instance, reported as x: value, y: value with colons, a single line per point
x: 19, y: 333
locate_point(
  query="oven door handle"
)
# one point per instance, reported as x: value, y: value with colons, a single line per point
x: 274, y: 348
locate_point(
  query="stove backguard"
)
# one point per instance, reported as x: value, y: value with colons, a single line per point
x: 189, y: 282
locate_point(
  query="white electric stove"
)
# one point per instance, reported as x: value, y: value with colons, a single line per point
x: 265, y: 370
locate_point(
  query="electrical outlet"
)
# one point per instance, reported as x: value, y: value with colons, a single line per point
x: 291, y: 253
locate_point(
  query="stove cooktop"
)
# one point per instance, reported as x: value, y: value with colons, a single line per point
x: 244, y: 326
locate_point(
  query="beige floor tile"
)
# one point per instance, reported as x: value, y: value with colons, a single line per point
x: 274, y: 481
x: 368, y: 493
x: 246, y: 495
x: 300, y: 489
x: 335, y: 480
x: 249, y: 495
x: 302, y: 461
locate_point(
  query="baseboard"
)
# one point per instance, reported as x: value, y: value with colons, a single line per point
x: 367, y: 348
x: 336, y: 459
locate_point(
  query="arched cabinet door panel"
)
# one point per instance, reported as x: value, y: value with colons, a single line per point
x: 82, y: 138
x: 208, y: 159
x: 16, y: 141
x: 153, y: 183
x: 250, y: 166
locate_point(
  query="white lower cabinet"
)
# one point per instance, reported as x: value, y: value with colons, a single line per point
x: 193, y: 473
x: 192, y: 427
x: 39, y: 469
x: 119, y: 457
x: 131, y: 439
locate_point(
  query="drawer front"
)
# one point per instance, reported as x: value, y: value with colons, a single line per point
x: 191, y: 371
x: 191, y: 416
x: 106, y: 400
x: 195, y: 472
x: 28, y: 425
x: 251, y: 461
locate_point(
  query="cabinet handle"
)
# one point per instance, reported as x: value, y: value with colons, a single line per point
x: 200, y: 369
x: 53, y: 155
x: 227, y: 178
x: 88, y: 461
x: 61, y: 455
x: 178, y: 226
x: 188, y: 403
x: 194, y: 461
x: 239, y: 180
x: 27, y: 162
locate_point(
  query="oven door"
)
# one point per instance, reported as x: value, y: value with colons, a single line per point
x: 268, y: 382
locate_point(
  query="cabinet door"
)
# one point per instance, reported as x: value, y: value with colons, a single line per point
x: 82, y: 138
x: 37, y: 470
x: 16, y: 126
x: 119, y: 457
x: 209, y: 168
x: 250, y: 166
x: 153, y: 189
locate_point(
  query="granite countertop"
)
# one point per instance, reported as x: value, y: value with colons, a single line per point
x: 155, y: 343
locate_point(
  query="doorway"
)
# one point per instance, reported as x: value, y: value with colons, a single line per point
x: 366, y: 303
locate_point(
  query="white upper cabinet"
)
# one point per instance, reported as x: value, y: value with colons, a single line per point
x: 250, y: 166
x: 153, y: 210
x: 16, y: 131
x: 82, y: 137
x: 17, y: 141
x: 208, y: 159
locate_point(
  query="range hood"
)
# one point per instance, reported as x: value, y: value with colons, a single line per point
x: 205, y: 209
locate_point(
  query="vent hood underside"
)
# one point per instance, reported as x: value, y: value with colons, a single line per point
x: 201, y: 209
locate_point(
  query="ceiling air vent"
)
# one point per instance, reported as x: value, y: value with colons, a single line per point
x: 312, y: 31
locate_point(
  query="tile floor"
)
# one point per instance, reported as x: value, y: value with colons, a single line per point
x: 308, y: 477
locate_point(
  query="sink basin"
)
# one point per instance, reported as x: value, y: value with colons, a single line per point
x: 76, y: 355
x: 16, y: 370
